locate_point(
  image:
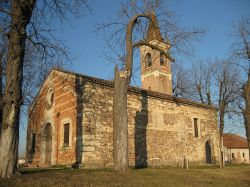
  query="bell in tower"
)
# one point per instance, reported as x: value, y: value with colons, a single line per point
x: 156, y: 72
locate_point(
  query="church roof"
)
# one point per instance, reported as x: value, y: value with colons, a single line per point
x: 234, y: 141
x: 136, y: 90
x: 154, y: 32
x: 131, y: 89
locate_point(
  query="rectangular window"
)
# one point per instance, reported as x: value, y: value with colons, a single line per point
x: 243, y: 155
x: 196, y: 129
x: 232, y: 155
x: 33, y: 143
x: 66, y: 135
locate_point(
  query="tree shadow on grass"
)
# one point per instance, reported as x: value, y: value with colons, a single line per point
x: 26, y: 171
x: 39, y: 170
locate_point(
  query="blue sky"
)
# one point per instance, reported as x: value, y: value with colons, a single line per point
x: 215, y: 16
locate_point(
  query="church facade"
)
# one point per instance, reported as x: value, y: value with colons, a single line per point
x: 70, y: 120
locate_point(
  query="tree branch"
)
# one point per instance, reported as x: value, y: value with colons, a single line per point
x: 5, y: 11
x: 141, y: 43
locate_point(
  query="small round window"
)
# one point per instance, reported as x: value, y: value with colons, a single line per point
x: 49, y: 98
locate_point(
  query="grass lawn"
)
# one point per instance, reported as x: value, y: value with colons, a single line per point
x: 199, y: 176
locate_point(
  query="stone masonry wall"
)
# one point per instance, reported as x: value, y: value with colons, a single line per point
x: 156, y: 130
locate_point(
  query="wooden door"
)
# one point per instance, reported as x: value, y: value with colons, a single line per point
x: 208, y: 153
x: 48, y: 144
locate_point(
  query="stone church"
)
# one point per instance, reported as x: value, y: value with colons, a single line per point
x: 70, y: 120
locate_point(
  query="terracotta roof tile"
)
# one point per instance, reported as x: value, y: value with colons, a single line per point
x: 131, y: 89
x: 234, y: 141
x: 141, y: 91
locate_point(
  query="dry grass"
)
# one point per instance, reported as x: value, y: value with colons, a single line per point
x: 200, y: 176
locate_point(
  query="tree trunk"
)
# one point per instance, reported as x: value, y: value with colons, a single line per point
x: 1, y: 92
x: 198, y: 87
x: 247, y: 110
x: 209, y: 102
x: 247, y: 127
x: 120, y: 121
x: 222, y: 115
x: 21, y: 12
x: 246, y: 92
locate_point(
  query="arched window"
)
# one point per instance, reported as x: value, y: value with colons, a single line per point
x: 148, y: 60
x: 161, y: 59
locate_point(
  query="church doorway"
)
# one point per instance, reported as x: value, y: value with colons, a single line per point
x: 208, y: 153
x: 47, y: 136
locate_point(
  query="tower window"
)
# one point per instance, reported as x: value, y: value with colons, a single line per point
x: 161, y: 59
x: 148, y: 60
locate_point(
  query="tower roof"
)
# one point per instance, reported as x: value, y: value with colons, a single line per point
x: 154, y: 32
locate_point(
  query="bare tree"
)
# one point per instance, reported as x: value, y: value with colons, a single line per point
x: 36, y: 69
x: 181, y: 81
x: 216, y: 83
x: 241, y: 52
x: 25, y: 22
x: 228, y: 83
x: 201, y: 79
x: 180, y: 39
x: 122, y: 80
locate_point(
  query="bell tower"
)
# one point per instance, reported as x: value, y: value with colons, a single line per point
x: 156, y: 72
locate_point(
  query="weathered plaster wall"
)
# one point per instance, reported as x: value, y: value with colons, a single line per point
x: 238, y: 155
